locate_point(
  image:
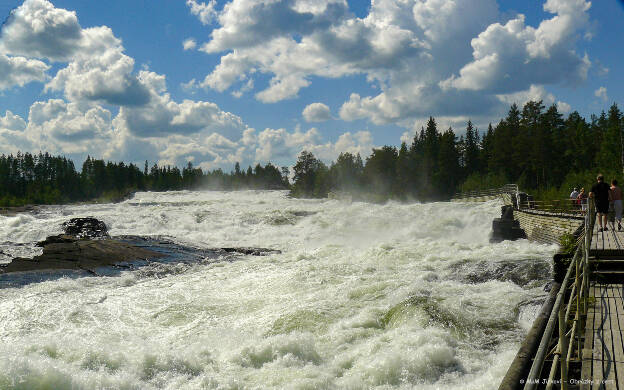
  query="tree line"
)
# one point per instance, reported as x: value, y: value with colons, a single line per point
x: 535, y: 147
x: 44, y: 179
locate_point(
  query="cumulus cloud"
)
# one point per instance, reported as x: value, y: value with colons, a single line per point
x: 316, y: 112
x: 101, y: 72
x: 189, y: 44
x: 38, y: 29
x: 534, y: 93
x: 69, y: 125
x: 564, y: 107
x: 418, y: 52
x: 12, y: 122
x: 404, y: 47
x: 510, y: 57
x: 601, y: 93
x: 286, y: 146
x: 98, y: 70
x: 57, y: 127
x: 163, y: 116
x: 205, y: 12
x: 20, y: 71
x: 212, y: 150
x: 12, y: 137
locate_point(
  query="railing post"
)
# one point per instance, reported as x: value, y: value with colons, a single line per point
x: 563, y: 345
x: 579, y: 294
x: 589, y: 227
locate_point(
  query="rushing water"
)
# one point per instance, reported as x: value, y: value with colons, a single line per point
x: 362, y: 296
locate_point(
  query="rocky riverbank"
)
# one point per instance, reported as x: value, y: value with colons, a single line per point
x: 85, y: 245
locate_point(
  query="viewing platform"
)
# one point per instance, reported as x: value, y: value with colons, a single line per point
x: 603, y: 348
x: 609, y: 243
x: 577, y: 339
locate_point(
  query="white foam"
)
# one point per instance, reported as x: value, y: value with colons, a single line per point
x: 363, y: 295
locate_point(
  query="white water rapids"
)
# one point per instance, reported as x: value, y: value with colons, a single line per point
x: 408, y: 296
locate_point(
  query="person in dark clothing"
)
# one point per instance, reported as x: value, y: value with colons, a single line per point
x: 601, y: 194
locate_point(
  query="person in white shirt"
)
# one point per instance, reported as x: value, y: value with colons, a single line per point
x: 574, y: 194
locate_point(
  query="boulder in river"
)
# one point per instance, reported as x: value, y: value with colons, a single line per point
x: 88, y: 227
x: 68, y: 252
x: 506, y: 227
x: 85, y: 245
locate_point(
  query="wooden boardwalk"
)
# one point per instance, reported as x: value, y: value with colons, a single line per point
x: 610, y: 242
x: 603, y: 352
x: 603, y: 348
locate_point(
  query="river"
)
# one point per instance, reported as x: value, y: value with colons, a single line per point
x: 393, y: 296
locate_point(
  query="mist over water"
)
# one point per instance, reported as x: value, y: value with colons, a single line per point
x: 362, y: 296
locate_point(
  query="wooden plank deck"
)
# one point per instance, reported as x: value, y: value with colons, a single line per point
x: 610, y: 242
x: 603, y: 350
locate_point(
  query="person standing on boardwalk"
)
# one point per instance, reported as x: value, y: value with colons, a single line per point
x: 574, y: 196
x: 616, y: 198
x: 582, y: 199
x: 601, y: 194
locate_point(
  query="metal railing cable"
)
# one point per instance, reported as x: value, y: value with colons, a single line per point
x: 559, y: 206
x: 506, y: 189
x: 576, y: 282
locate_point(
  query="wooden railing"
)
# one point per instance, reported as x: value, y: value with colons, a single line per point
x: 575, y: 290
x: 506, y: 189
x: 557, y: 206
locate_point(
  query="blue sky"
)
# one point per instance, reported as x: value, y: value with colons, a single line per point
x: 261, y: 80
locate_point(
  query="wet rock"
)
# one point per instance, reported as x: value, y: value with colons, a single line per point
x: 303, y: 213
x: 88, y: 227
x: 520, y: 272
x: 85, y: 245
x: 505, y: 227
x: 60, y: 239
x: 66, y: 252
x: 13, y: 211
x: 251, y: 251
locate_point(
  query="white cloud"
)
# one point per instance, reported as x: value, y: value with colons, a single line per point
x: 601, y: 93
x: 417, y: 52
x: 563, y: 107
x: 404, y: 47
x: 534, y: 93
x: 57, y: 127
x: 189, y: 44
x: 205, y: 12
x: 101, y: 72
x: 280, y: 144
x: 510, y: 57
x: 12, y: 122
x: 38, y: 29
x: 211, y: 151
x: 162, y: 116
x: 98, y: 70
x: 20, y: 71
x: 61, y: 127
x: 12, y: 137
x: 316, y: 112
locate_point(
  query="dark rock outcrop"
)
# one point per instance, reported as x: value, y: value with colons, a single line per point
x: 251, y: 251
x: 86, y: 245
x: 88, y: 227
x: 506, y: 227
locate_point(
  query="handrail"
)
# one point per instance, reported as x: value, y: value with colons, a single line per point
x: 507, y: 188
x: 579, y: 290
x: 562, y: 206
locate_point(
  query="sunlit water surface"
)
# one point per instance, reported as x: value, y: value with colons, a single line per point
x: 362, y: 296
